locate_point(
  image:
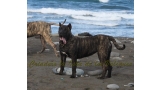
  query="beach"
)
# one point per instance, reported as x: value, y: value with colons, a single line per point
x: 41, y: 77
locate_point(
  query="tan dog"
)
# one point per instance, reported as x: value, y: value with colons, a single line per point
x: 43, y: 29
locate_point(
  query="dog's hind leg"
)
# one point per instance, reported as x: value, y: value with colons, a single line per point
x: 108, y: 65
x: 43, y: 44
x: 49, y: 41
x: 104, y: 70
x: 104, y: 57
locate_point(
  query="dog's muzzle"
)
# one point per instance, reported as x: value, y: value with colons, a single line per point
x: 62, y: 39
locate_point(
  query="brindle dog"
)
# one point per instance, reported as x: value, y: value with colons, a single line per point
x: 75, y: 48
x: 43, y: 29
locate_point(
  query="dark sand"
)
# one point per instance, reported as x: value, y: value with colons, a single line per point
x: 40, y: 77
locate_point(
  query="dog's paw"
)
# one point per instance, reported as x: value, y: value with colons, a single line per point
x: 108, y: 76
x: 57, y: 54
x: 72, y: 76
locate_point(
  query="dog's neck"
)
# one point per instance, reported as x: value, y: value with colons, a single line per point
x: 71, y: 36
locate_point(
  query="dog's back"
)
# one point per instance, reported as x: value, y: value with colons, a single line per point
x: 37, y: 28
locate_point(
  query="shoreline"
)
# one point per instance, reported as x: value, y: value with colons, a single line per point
x: 56, y: 35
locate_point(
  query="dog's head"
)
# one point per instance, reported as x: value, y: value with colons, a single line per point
x: 64, y: 32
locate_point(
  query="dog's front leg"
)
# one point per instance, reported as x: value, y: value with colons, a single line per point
x: 43, y: 42
x: 74, y: 66
x: 62, y: 64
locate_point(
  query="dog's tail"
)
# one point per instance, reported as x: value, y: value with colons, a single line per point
x: 115, y: 43
x: 56, y: 23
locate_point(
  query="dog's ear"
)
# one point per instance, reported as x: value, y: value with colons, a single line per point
x: 70, y: 26
x: 60, y: 24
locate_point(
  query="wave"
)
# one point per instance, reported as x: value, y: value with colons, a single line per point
x: 104, y: 1
x: 109, y: 24
x: 111, y: 18
x: 86, y: 14
x: 29, y: 16
x: 114, y: 7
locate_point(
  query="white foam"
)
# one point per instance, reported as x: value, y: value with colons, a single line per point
x: 102, y: 18
x: 104, y: 1
x: 97, y: 18
x: 78, y: 14
x: 110, y: 24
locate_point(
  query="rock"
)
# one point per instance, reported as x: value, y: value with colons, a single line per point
x: 47, y: 49
x: 116, y: 58
x: 79, y: 72
x: 55, y: 34
x: 56, y: 43
x: 113, y: 86
x: 57, y: 70
x: 95, y: 72
x: 68, y: 71
x: 114, y: 54
x: 82, y: 76
x: 69, y: 60
x: 61, y: 78
x: 84, y: 34
x: 97, y: 60
x: 117, y: 41
x: 130, y: 85
x: 86, y: 75
x: 124, y: 41
x: 76, y: 35
x: 132, y: 41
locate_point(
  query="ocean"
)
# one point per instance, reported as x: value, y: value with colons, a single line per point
x: 109, y: 17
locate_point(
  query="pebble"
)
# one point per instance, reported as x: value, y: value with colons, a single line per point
x: 56, y: 43
x: 61, y: 78
x: 124, y: 41
x: 117, y: 41
x: 76, y: 35
x: 95, y: 72
x: 47, y: 50
x: 86, y: 75
x: 78, y: 71
x: 130, y: 85
x: 113, y: 86
x: 69, y: 60
x: 82, y: 76
x: 132, y: 41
